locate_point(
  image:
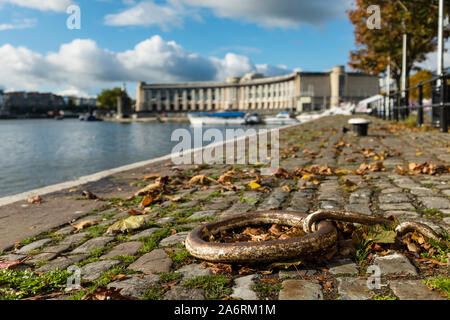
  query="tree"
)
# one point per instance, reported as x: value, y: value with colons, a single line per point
x: 375, y: 46
x: 108, y: 98
x: 417, y: 78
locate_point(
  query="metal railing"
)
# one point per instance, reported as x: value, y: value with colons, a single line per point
x: 396, y: 106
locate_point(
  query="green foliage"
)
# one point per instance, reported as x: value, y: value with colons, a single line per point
x: 27, y: 241
x: 386, y: 297
x: 155, y: 292
x: 180, y: 257
x: 109, y: 275
x: 95, y: 231
x: 169, y: 277
x: 152, y: 242
x: 78, y: 295
x: 441, y: 251
x: 108, y: 98
x: 15, y: 284
x: 215, y: 286
x: 431, y: 213
x: 267, y: 290
x: 440, y: 283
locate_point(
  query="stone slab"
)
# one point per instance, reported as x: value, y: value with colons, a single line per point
x: 135, y: 286
x: 156, y: 261
x: 395, y: 264
x: 301, y: 290
x: 242, y: 288
x: 94, y: 270
x: 413, y: 290
x: 123, y: 249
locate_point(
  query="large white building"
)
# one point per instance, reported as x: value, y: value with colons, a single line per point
x: 302, y: 91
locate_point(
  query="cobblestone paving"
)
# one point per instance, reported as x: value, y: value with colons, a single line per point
x: 152, y: 263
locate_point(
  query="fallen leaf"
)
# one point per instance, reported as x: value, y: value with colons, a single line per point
x: 146, y: 201
x: 151, y: 176
x: 268, y: 280
x: 84, y: 224
x: 9, y: 264
x: 35, y: 200
x: 254, y: 185
x: 127, y: 224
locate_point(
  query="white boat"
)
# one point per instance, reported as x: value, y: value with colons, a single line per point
x: 222, y: 118
x: 281, y: 119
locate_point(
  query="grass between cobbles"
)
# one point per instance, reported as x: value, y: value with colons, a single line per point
x: 267, y: 291
x: 216, y: 286
x: 150, y: 243
x: 441, y: 284
x: 169, y: 277
x: 180, y: 257
x: 17, y: 284
x: 185, y: 213
x: 155, y: 292
x: 431, y: 213
x: 383, y: 297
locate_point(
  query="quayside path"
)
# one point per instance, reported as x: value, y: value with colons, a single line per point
x: 395, y: 170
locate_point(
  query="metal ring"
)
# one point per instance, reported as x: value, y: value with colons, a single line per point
x: 266, y: 251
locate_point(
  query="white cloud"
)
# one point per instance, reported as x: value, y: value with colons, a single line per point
x: 81, y: 65
x: 266, y: 13
x: 42, y: 5
x: 431, y: 59
x: 16, y: 24
x: 147, y: 13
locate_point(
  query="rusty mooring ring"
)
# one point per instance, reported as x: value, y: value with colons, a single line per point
x: 266, y: 251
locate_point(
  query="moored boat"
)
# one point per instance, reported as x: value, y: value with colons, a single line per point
x: 281, y: 119
x: 222, y: 118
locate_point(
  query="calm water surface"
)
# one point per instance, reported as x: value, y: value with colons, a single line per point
x: 38, y: 153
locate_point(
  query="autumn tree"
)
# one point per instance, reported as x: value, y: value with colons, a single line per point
x: 418, y: 18
x: 417, y: 78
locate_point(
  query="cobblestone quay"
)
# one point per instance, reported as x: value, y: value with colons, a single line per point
x: 372, y: 175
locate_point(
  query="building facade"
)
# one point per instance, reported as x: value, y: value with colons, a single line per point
x: 302, y: 91
x: 34, y: 101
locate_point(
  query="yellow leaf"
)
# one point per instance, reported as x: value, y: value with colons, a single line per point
x: 254, y: 185
x: 419, y: 154
x: 307, y: 176
x: 127, y: 224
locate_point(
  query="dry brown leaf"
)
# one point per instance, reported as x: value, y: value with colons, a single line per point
x: 84, y: 224
x: 35, y: 200
x: 146, y: 201
x: 151, y: 177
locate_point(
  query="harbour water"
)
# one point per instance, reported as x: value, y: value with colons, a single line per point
x: 38, y: 153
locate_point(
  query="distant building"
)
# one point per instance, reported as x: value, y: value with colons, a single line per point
x: 34, y: 101
x: 302, y: 91
x: 4, y: 110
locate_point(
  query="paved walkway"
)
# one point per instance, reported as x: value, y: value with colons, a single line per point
x: 152, y: 262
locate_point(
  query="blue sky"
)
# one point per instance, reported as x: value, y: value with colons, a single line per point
x: 166, y: 41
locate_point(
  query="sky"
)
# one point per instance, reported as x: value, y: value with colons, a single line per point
x: 160, y: 41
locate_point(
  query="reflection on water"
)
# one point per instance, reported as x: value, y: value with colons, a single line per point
x: 37, y: 153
